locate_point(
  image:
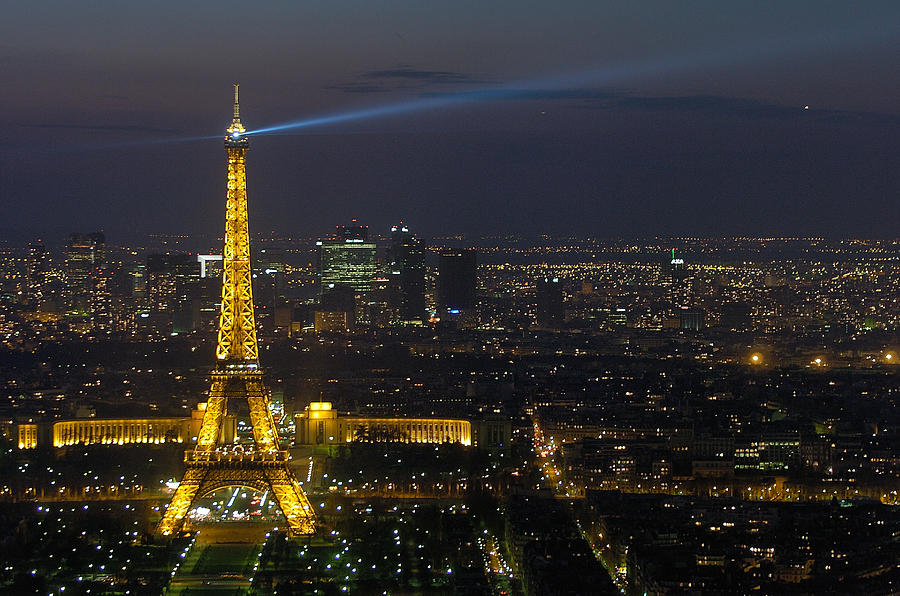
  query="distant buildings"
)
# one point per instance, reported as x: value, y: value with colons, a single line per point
x: 550, y: 308
x: 398, y: 279
x: 406, y: 275
x: 676, y: 267
x: 457, y: 274
x: 87, y: 299
x: 85, y: 256
x: 347, y: 258
x: 347, y: 272
x: 692, y: 319
x: 37, y: 271
x: 173, y: 290
x: 371, y: 290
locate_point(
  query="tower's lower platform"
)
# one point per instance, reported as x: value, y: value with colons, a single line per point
x: 208, y: 471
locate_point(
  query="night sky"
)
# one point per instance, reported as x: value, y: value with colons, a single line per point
x: 596, y: 118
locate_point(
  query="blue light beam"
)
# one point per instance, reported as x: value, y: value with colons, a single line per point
x: 571, y: 84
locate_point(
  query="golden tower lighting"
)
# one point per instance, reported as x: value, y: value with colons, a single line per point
x: 215, y: 464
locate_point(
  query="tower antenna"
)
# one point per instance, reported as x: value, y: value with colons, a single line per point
x: 237, y: 106
x: 236, y: 129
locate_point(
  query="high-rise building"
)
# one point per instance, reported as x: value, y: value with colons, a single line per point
x: 125, y: 303
x: 676, y: 268
x: 336, y: 304
x: 406, y: 275
x: 37, y: 270
x: 86, y: 293
x: 85, y: 254
x: 347, y: 258
x: 457, y: 274
x: 173, y: 290
x: 269, y: 263
x: 268, y: 286
x: 550, y: 308
x: 172, y: 280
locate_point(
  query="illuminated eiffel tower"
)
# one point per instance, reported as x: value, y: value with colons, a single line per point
x: 214, y: 464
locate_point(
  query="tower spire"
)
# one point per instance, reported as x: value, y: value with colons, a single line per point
x: 236, y: 128
x: 237, y: 105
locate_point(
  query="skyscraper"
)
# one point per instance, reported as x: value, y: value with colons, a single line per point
x: 406, y: 275
x: 85, y: 285
x: 457, y: 272
x: 37, y: 270
x: 550, y: 309
x: 676, y: 268
x: 347, y: 258
x: 173, y: 289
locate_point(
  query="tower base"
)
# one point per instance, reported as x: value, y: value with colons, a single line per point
x: 209, y: 471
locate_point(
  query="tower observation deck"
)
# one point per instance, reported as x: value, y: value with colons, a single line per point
x: 214, y: 464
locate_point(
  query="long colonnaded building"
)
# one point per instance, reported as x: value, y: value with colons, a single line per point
x: 321, y: 425
x: 117, y: 431
x: 318, y: 425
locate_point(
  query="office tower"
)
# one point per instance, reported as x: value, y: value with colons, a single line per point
x: 336, y: 310
x: 550, y: 309
x: 37, y: 271
x: 171, y: 281
x: 85, y: 255
x: 347, y: 258
x: 173, y: 290
x: 269, y: 263
x: 270, y: 260
x: 676, y: 268
x: 213, y: 463
x: 457, y: 272
x: 124, y: 301
x: 406, y: 275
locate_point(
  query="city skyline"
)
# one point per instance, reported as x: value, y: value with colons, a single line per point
x: 609, y: 304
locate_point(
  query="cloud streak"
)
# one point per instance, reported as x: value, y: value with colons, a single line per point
x: 406, y: 77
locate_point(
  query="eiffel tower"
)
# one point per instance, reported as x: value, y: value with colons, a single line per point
x: 214, y: 464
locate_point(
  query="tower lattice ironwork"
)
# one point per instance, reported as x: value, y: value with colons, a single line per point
x: 213, y: 463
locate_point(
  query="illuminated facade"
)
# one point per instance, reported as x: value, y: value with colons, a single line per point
x: 332, y: 321
x: 215, y: 463
x: 87, y: 283
x: 91, y: 431
x: 319, y: 424
x: 347, y: 259
x: 120, y: 431
x: 28, y: 436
